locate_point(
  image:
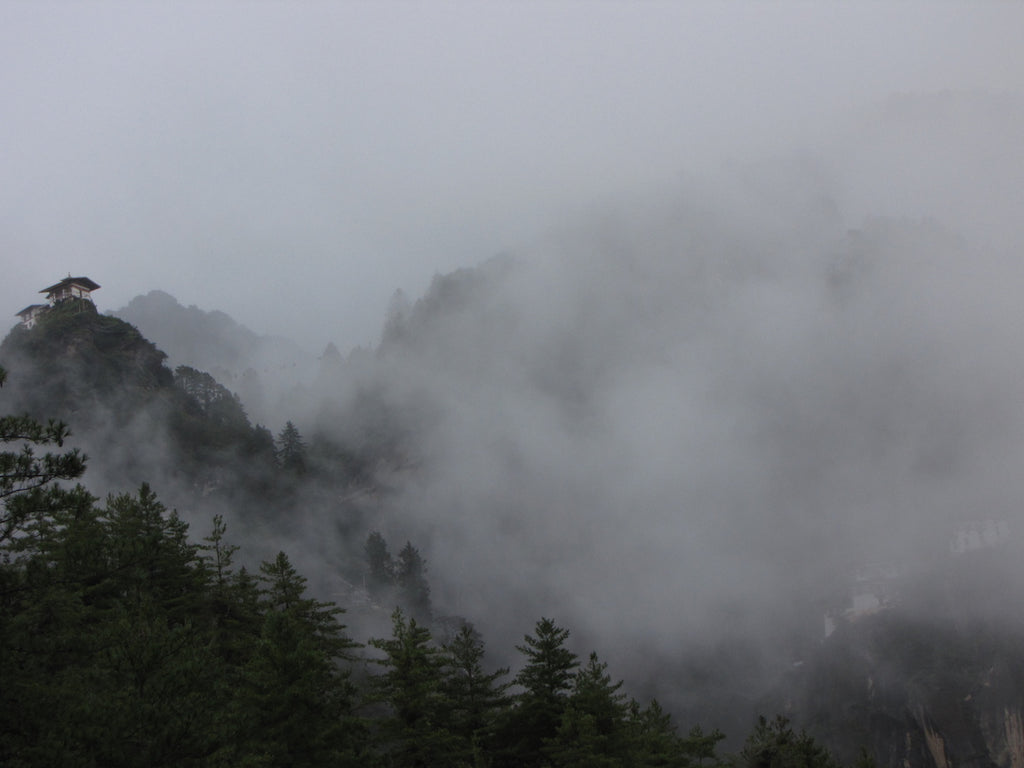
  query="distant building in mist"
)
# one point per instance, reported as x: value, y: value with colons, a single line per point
x: 869, y: 591
x: 68, y: 288
x: 871, y: 588
x: 981, y: 534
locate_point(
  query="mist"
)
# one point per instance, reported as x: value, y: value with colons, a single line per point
x: 683, y: 421
x: 688, y: 334
x: 279, y: 162
x: 690, y: 418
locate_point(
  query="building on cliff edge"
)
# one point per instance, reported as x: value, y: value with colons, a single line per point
x: 68, y: 288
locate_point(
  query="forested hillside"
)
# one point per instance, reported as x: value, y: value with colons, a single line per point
x: 181, y: 431
x: 137, y: 635
x: 261, y: 369
x: 550, y: 384
x: 128, y: 642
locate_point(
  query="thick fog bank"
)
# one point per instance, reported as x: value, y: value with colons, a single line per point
x: 685, y: 425
x: 696, y: 416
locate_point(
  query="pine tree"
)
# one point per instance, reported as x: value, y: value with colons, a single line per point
x: 233, y: 599
x: 654, y: 742
x: 219, y: 554
x: 416, y: 732
x: 294, y: 703
x: 160, y: 668
x: 476, y: 698
x: 283, y: 590
x: 115, y: 663
x: 700, y: 746
x: 223, y: 407
x: 548, y: 674
x: 151, y: 554
x: 43, y: 612
x: 380, y: 566
x: 27, y: 480
x: 774, y: 744
x: 291, y: 450
x: 546, y: 680
x: 593, y: 726
x: 411, y: 578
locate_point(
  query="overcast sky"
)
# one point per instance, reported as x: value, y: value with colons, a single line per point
x: 294, y: 163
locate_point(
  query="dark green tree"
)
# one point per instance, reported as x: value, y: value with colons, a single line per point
x: 151, y: 555
x: 416, y: 732
x: 411, y: 578
x: 701, y: 747
x: 160, y: 670
x: 593, y: 728
x: 215, y: 400
x: 41, y: 620
x: 774, y: 744
x: 113, y: 661
x: 294, y: 704
x: 548, y: 674
x: 546, y: 680
x: 654, y: 742
x: 283, y: 590
x: 232, y: 601
x: 218, y: 554
x: 208, y: 423
x: 291, y: 450
x: 476, y: 698
x: 379, y: 563
x: 260, y: 446
x: 26, y: 479
x: 122, y: 643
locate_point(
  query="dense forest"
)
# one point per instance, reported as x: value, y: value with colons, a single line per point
x: 126, y: 640
x: 136, y: 629
x: 512, y: 384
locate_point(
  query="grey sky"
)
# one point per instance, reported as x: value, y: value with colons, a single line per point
x: 294, y: 163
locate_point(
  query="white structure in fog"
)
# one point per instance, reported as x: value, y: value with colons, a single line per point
x: 983, y: 534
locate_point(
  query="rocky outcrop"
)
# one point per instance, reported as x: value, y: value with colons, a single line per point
x: 933, y: 680
x: 916, y: 693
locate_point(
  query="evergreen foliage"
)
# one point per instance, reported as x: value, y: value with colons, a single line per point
x: 546, y: 680
x: 380, y: 565
x: 775, y: 744
x: 415, y: 732
x: 593, y: 727
x: 476, y: 698
x: 100, y: 373
x: 218, y: 417
x: 411, y: 578
x: 653, y: 738
x: 402, y: 582
x: 123, y: 642
x: 291, y: 450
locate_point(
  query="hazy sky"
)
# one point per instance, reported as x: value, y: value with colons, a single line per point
x: 294, y: 163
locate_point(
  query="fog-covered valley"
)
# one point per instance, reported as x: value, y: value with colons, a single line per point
x: 708, y: 354
x: 684, y: 425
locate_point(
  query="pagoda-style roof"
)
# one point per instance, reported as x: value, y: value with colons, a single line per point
x: 31, y: 308
x: 67, y: 282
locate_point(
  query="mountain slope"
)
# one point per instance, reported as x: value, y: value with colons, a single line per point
x: 260, y: 368
x: 138, y: 421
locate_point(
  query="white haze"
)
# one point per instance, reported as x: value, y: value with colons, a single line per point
x: 760, y: 319
x: 292, y: 164
x: 695, y: 416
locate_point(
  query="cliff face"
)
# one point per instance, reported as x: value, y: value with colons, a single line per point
x: 935, y: 681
